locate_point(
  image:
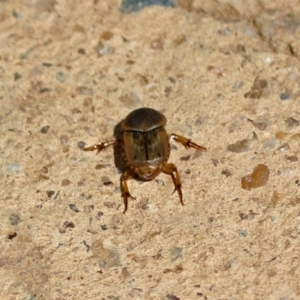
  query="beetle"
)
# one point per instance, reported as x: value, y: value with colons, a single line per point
x: 146, y: 149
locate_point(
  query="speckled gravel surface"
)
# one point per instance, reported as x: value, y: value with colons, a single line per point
x: 225, y: 75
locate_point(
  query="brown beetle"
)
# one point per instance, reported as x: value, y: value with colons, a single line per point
x: 146, y: 146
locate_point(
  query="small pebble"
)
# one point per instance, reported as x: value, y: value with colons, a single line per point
x: 12, y: 235
x: 240, y: 146
x: 48, y: 65
x: 172, y: 297
x: 44, y: 170
x: 88, y: 208
x: 185, y: 158
x: 74, y: 208
x: 237, y: 85
x: 270, y: 143
x: 100, y: 166
x: 105, y: 180
x: 12, y: 167
x: 224, y: 31
x: 81, y: 51
x: 81, y: 145
x: 291, y: 122
x: 65, y: 182
x: 159, y: 181
x: 258, y: 178
x: 17, y: 76
x: 284, y: 96
x: 157, y: 44
x: 226, y: 172
x: 242, y: 233
x: 258, y: 89
x: 14, y: 219
x: 259, y: 123
x: 130, y: 100
x: 129, y: 6
x: 284, y: 147
x: 50, y: 193
x: 291, y: 158
x: 45, y: 129
x: 83, y: 90
x: 175, y: 253
x: 110, y: 297
x: 61, y: 77
x: 104, y: 227
x: 107, y: 35
x: 99, y: 215
x: 45, y: 90
x: 104, y: 49
x: 276, y: 198
x: 16, y: 14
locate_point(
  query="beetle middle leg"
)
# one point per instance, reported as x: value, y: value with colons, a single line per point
x: 171, y: 170
x: 101, y: 146
x: 128, y: 174
x: 187, y: 143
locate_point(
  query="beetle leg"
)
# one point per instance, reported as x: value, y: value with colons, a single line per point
x: 171, y: 170
x: 187, y: 143
x: 101, y: 146
x: 128, y: 174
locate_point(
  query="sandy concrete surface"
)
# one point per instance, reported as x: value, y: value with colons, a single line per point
x: 225, y: 74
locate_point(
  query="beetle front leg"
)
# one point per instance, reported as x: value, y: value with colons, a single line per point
x: 171, y: 170
x: 101, y: 146
x: 187, y: 143
x: 128, y: 174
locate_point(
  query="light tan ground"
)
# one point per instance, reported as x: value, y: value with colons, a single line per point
x: 63, y: 234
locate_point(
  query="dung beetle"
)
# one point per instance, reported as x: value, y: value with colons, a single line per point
x: 146, y: 149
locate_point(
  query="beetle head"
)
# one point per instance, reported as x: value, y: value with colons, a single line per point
x: 148, y: 172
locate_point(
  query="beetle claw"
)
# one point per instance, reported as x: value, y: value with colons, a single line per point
x: 178, y: 189
x: 126, y: 195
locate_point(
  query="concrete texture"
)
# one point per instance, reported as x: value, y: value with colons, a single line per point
x: 225, y: 75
